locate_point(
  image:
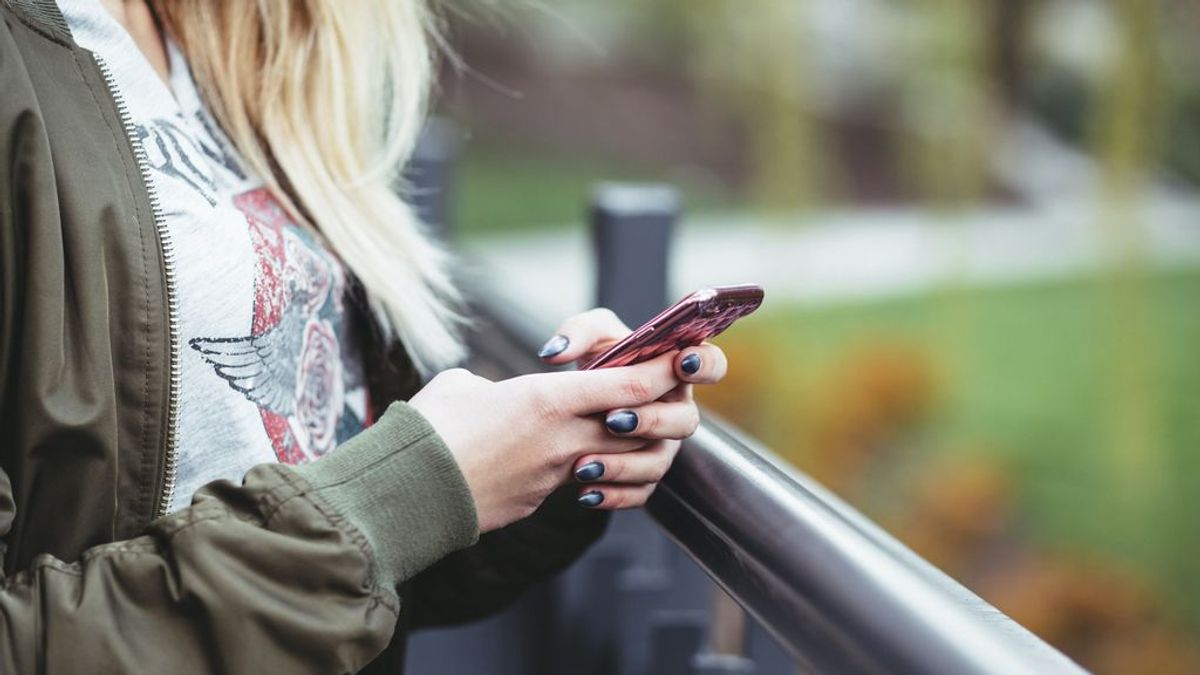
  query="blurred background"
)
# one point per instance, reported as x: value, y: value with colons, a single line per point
x: 978, y: 224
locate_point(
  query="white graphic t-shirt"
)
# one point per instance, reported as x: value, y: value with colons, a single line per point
x: 271, y: 370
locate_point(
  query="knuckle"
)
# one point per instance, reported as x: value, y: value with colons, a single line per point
x: 660, y: 470
x: 583, y: 319
x: 618, y: 499
x: 455, y: 378
x: 659, y: 466
x: 637, y: 388
x: 608, y: 321
x: 543, y: 404
x: 615, y: 470
x: 693, y: 419
x: 528, y: 506
x: 662, y: 465
x: 604, y: 314
x: 681, y: 421
x: 558, y: 453
x: 649, y: 422
x: 452, y: 374
x: 548, y: 483
x: 638, y: 498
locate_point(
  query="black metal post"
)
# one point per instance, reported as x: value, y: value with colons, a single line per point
x: 428, y: 179
x: 632, y: 226
x: 631, y: 230
x: 659, y: 598
x: 663, y: 597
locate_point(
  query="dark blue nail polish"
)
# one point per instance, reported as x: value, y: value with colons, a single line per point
x: 622, y: 421
x: 690, y: 364
x: 591, y: 499
x: 589, y: 472
x: 554, y: 346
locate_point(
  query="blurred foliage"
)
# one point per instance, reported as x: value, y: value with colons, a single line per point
x: 751, y: 65
x: 759, y: 74
x: 1128, y: 135
x: 981, y: 449
x: 944, y: 102
x: 1137, y: 53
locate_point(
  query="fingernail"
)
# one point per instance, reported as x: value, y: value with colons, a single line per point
x: 622, y: 421
x: 589, y: 472
x: 591, y: 499
x: 690, y: 364
x: 554, y: 346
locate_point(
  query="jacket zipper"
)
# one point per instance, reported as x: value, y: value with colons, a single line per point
x: 168, y: 255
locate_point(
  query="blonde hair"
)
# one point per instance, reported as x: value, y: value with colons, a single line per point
x: 324, y: 100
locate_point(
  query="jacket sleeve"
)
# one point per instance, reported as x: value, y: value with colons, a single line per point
x: 291, y: 572
x: 476, y: 582
x: 483, y: 579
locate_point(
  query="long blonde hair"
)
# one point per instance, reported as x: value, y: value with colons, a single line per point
x: 324, y: 99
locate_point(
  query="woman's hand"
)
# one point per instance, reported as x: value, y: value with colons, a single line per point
x: 617, y: 429
x: 517, y: 440
x: 617, y: 480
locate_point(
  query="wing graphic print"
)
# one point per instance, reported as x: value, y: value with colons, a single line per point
x: 264, y: 367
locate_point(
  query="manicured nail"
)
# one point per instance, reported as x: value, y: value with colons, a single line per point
x: 554, y: 346
x: 591, y: 499
x: 622, y: 421
x: 690, y: 364
x: 589, y: 472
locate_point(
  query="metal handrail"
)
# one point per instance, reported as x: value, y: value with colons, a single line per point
x: 833, y: 588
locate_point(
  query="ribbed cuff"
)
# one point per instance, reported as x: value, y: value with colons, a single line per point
x: 399, y: 485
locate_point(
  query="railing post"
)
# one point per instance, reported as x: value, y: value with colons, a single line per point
x: 632, y: 225
x: 662, y: 615
x: 726, y: 653
x: 428, y: 179
x: 631, y: 231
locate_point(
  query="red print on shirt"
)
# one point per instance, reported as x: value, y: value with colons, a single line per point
x: 291, y: 363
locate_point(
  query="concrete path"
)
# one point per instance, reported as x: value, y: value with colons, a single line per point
x: 845, y: 256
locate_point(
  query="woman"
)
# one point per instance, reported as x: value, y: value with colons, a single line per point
x: 212, y: 309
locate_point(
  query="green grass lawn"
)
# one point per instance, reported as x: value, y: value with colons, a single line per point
x: 1093, y: 402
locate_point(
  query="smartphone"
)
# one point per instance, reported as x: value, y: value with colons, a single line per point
x: 698, y: 317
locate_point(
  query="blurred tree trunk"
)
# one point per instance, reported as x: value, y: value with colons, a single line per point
x: 1125, y: 128
x: 1009, y: 23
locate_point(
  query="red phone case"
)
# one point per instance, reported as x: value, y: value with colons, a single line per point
x: 694, y: 319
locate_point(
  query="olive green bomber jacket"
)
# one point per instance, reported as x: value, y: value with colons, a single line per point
x: 298, y: 569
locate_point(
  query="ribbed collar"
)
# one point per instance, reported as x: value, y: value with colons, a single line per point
x: 42, y: 15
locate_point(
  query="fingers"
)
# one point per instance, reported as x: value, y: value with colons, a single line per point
x: 640, y: 467
x: 613, y: 482
x: 590, y: 435
x: 600, y: 391
x: 681, y: 392
x: 703, y: 364
x: 655, y: 420
x: 615, y: 497
x: 583, y: 334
